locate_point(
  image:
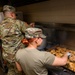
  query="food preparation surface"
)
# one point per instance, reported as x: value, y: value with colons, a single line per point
x: 59, y: 52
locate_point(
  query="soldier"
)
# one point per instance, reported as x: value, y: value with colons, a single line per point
x: 35, y: 62
x: 11, y: 33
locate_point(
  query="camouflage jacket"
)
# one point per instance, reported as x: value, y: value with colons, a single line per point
x: 11, y: 34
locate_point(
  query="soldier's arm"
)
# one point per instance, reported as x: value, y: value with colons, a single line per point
x: 18, y: 66
x: 24, y: 26
x: 60, y: 61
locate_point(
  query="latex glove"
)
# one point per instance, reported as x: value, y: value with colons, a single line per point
x: 68, y: 54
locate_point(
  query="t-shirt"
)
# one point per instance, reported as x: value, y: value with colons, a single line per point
x: 33, y: 61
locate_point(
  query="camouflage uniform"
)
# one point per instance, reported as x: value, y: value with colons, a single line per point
x: 11, y: 33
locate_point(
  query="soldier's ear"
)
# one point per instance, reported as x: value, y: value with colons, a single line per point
x: 11, y: 14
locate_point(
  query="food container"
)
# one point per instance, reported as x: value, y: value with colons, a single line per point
x: 59, y: 52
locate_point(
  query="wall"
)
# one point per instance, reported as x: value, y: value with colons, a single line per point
x: 70, y: 40
x: 0, y: 8
x: 59, y: 11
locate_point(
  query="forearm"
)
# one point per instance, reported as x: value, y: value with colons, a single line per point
x: 60, y: 61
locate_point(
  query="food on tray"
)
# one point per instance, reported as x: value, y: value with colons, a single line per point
x: 72, y: 58
x: 60, y: 52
